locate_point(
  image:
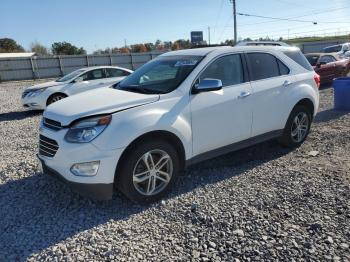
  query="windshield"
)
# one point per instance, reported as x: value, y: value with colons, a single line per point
x: 70, y: 76
x: 161, y: 75
x: 312, y: 59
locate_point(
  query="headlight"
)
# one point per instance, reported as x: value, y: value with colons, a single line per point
x: 35, y: 92
x: 86, y: 130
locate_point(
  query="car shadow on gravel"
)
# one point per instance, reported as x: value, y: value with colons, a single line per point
x: 329, y: 115
x: 37, y: 212
x: 19, y: 115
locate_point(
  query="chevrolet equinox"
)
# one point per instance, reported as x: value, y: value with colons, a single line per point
x: 181, y: 108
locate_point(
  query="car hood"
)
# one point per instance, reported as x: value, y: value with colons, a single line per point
x: 44, y: 85
x: 99, y: 101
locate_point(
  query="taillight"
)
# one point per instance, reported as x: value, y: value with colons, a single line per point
x: 317, y: 79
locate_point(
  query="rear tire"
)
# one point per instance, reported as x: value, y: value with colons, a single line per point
x: 148, y: 171
x: 54, y: 98
x: 297, y: 127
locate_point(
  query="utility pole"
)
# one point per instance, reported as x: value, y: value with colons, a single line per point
x: 209, y: 34
x: 233, y: 2
x: 125, y: 43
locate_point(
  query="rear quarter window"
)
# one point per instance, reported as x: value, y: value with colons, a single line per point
x: 299, y: 58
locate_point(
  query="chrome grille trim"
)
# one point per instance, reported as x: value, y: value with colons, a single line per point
x: 52, y: 124
x: 47, y: 147
x: 53, y: 145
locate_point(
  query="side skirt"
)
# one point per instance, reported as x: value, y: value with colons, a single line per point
x: 234, y: 147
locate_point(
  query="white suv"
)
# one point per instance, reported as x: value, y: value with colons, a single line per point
x: 178, y: 109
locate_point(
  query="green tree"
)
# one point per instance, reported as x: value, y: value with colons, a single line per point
x: 65, y: 48
x: 8, y: 45
x: 39, y: 49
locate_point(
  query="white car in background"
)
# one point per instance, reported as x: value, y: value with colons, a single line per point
x: 179, y: 109
x: 39, y: 96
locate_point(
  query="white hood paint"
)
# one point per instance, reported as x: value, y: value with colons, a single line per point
x: 99, y: 101
x: 45, y: 85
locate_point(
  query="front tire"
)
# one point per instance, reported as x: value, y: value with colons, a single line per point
x: 148, y: 171
x: 297, y: 127
x: 54, y: 98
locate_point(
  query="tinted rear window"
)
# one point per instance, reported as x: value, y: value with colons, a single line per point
x: 262, y: 66
x: 299, y: 58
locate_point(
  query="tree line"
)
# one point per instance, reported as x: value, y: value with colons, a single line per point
x: 8, y: 45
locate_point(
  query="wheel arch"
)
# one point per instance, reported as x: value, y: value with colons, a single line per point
x: 308, y: 104
x: 53, y: 94
x: 167, y: 136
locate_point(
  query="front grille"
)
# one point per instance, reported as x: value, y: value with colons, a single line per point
x: 47, y: 147
x: 52, y: 124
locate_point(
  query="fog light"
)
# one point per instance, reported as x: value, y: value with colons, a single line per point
x: 85, y: 169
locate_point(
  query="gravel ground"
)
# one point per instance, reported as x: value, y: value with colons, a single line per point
x: 261, y: 203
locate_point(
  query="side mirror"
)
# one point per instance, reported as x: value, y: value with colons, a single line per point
x: 207, y: 85
x: 79, y: 79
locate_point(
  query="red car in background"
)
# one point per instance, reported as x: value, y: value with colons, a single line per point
x: 329, y: 66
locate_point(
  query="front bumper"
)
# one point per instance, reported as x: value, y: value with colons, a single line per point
x: 94, y: 191
x: 99, y: 186
x: 34, y: 103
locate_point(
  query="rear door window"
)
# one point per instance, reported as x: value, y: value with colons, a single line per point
x: 113, y: 72
x: 262, y: 66
x: 93, y: 75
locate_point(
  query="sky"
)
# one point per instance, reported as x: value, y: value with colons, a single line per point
x: 108, y: 23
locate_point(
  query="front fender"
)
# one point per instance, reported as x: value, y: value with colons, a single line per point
x: 172, y: 115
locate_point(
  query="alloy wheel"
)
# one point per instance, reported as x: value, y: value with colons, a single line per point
x: 300, y: 127
x: 56, y: 98
x: 152, y: 172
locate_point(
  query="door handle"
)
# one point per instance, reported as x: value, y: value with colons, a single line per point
x: 287, y: 83
x: 244, y: 94
x: 101, y: 83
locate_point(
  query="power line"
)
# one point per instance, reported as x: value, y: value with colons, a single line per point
x: 293, y: 20
x: 321, y: 11
x: 277, y: 18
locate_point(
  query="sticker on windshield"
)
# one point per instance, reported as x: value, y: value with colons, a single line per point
x: 186, y: 63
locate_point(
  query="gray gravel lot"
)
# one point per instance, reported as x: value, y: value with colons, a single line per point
x: 262, y: 203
